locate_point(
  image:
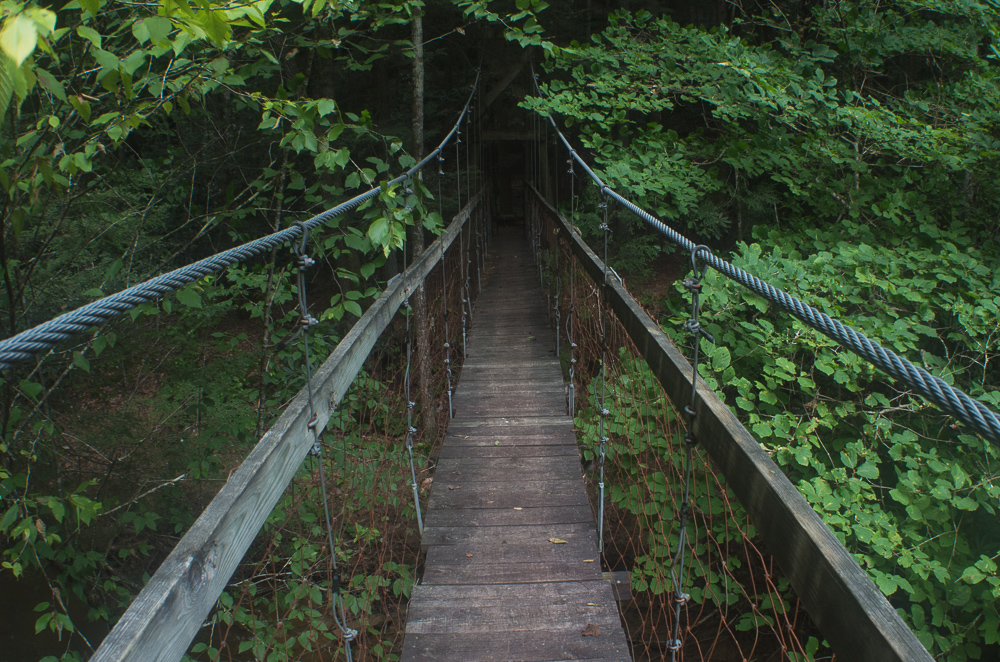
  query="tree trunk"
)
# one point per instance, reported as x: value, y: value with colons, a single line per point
x: 429, y: 411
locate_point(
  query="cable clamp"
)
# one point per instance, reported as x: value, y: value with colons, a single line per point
x: 605, y: 412
x: 693, y: 327
x: 349, y: 634
x: 692, y: 284
x: 681, y: 598
x: 605, y: 227
x: 674, y: 645
x: 572, y: 361
x: 411, y: 405
x: 304, y: 261
x: 447, y: 345
x: 690, y: 439
x: 308, y: 321
x: 447, y: 361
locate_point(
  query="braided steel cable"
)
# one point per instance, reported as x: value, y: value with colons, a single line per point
x: 948, y: 398
x: 47, y: 335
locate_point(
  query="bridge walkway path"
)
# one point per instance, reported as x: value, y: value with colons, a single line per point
x: 512, y: 570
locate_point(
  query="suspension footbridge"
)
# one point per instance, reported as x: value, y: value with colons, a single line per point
x: 516, y: 548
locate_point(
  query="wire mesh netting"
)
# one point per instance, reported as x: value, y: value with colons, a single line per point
x: 734, y: 603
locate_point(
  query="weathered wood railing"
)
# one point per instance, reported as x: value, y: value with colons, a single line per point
x: 845, y: 604
x: 165, y: 617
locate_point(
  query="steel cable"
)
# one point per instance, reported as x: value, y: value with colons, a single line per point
x: 47, y: 335
x: 934, y: 389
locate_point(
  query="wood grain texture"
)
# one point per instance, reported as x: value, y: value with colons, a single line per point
x: 161, y: 622
x: 847, y: 607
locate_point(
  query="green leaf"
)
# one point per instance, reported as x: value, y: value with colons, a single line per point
x: 159, y: 27
x: 353, y: 308
x: 18, y: 38
x: 868, y: 470
x: 91, y: 6
x: 8, y: 518
x: 378, y: 232
x: 189, y: 297
x: 31, y: 389
x: 721, y: 359
x: 90, y: 34
x: 80, y: 361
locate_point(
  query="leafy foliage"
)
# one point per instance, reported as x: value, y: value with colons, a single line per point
x: 855, y: 142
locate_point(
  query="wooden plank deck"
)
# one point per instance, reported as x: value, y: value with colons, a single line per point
x: 508, y: 480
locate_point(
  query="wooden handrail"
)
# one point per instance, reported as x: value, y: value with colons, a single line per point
x: 846, y: 606
x: 164, y: 618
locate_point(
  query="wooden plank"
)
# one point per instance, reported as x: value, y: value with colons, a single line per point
x: 496, y: 407
x: 511, y: 468
x: 501, y: 647
x: 469, y: 617
x: 515, y: 422
x: 510, y: 535
x: 511, y: 451
x: 530, y: 572
x: 485, y: 436
x: 167, y: 614
x: 497, y: 516
x: 551, y: 593
x: 847, y: 607
x: 529, y: 494
x: 535, y: 551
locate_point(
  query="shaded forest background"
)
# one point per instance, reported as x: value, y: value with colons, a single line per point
x: 845, y: 151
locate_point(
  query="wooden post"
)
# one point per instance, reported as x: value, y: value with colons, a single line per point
x: 848, y: 608
x: 165, y: 617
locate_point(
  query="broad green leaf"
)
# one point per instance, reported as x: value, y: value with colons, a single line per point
x: 18, y: 38
x: 721, y: 358
x: 868, y: 470
x: 159, y: 27
x: 189, y: 297
x: 90, y: 34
